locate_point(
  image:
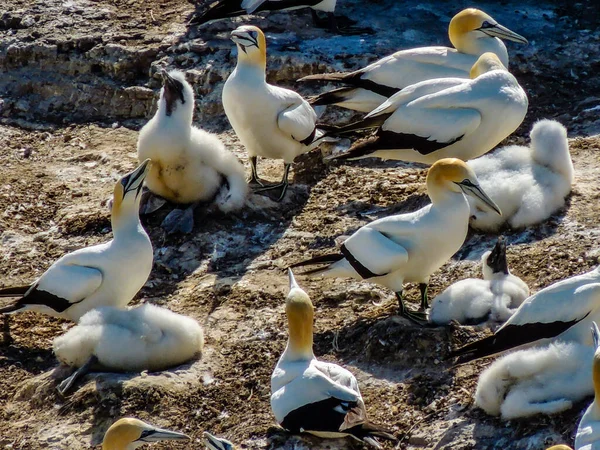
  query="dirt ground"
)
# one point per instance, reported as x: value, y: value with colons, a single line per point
x: 55, y: 183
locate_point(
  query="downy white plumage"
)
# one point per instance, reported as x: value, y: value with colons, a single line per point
x: 495, y: 298
x: 129, y: 433
x: 528, y: 183
x: 312, y: 396
x: 285, y: 126
x: 108, y: 274
x: 588, y: 432
x: 189, y: 165
x: 444, y: 118
x: 564, y: 310
x: 471, y: 31
x: 410, y: 247
x: 142, y: 338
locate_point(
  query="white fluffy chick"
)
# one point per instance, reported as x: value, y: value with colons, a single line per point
x: 537, y: 380
x: 495, y: 298
x: 529, y: 184
x: 190, y: 165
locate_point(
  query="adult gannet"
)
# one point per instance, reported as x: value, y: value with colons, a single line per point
x: 189, y: 165
x: 410, y: 247
x: 588, y: 432
x: 129, y: 433
x: 312, y: 396
x: 529, y: 184
x: 142, y: 338
x: 443, y: 118
x: 564, y: 310
x: 496, y: 297
x: 215, y: 443
x: 471, y: 31
x: 283, y: 126
x: 108, y: 274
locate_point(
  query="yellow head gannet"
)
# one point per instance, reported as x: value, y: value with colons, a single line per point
x: 444, y: 118
x: 496, y: 297
x: 563, y: 310
x: 559, y: 447
x: 284, y: 126
x: 189, y: 165
x: 471, y: 31
x: 215, y: 443
x: 588, y: 432
x: 142, y: 338
x: 105, y: 274
x: 311, y: 396
x: 129, y: 433
x: 528, y: 183
x: 410, y: 247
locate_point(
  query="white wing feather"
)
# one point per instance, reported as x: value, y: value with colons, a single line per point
x: 71, y: 282
x: 298, y: 120
x: 377, y: 252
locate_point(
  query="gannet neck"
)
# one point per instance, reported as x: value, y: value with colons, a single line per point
x: 125, y: 216
x: 300, y: 314
x: 176, y: 101
x: 486, y: 63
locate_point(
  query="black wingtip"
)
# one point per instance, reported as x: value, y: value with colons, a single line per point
x: 361, y: 150
x: 323, y: 259
x: 11, y: 308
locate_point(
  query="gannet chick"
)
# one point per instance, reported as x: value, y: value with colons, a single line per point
x: 108, y: 274
x: 529, y: 184
x: 214, y: 443
x: 129, y: 433
x: 410, y: 247
x: 472, y: 32
x: 312, y: 396
x: 538, y: 380
x: 130, y: 340
x: 495, y: 298
x: 285, y: 126
x: 588, y: 432
x: 563, y: 310
x: 444, y: 118
x: 189, y: 165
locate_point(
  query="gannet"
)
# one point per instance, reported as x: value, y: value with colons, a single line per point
x: 142, y: 338
x: 563, y: 310
x: 410, y: 247
x: 215, y: 443
x: 588, y: 432
x: 129, y: 433
x: 472, y: 300
x: 108, y: 274
x: 189, y: 165
x: 472, y: 32
x: 285, y: 124
x: 312, y: 396
x: 529, y: 184
x: 543, y: 379
x: 443, y: 118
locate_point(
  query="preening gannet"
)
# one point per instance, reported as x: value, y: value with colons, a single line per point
x: 471, y: 31
x: 495, y: 298
x: 564, y: 310
x: 410, y: 247
x: 129, y: 433
x: 311, y: 396
x: 215, y: 443
x: 142, y: 338
x: 270, y: 121
x: 528, y: 183
x: 444, y: 118
x: 189, y: 165
x: 588, y: 432
x: 108, y: 274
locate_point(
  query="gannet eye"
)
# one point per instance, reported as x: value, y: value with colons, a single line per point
x: 486, y: 24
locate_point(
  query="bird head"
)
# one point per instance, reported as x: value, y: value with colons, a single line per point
x: 300, y: 313
x: 494, y: 262
x: 129, y: 433
x: 251, y: 45
x: 485, y: 63
x: 127, y: 190
x: 214, y: 443
x: 471, y: 24
x: 452, y: 174
x: 176, y: 95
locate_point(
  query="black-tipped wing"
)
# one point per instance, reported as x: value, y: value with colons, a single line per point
x: 36, y: 296
x: 14, y: 291
x: 221, y: 9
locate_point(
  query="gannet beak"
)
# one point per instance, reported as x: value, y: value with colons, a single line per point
x: 243, y: 39
x: 215, y: 443
x: 134, y: 180
x: 158, y: 434
x: 497, y: 257
x: 293, y: 284
x: 595, y: 334
x: 500, y: 31
x: 475, y: 191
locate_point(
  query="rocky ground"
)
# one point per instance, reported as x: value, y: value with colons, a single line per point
x: 78, y: 79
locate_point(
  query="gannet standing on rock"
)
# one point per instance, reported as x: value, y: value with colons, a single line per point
x: 410, y: 247
x: 588, y: 432
x: 495, y: 298
x: 471, y: 31
x: 108, y: 274
x: 444, y: 118
x: 311, y: 396
x: 129, y: 433
x: 270, y: 121
x: 189, y: 165
x: 529, y: 184
x: 142, y: 338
